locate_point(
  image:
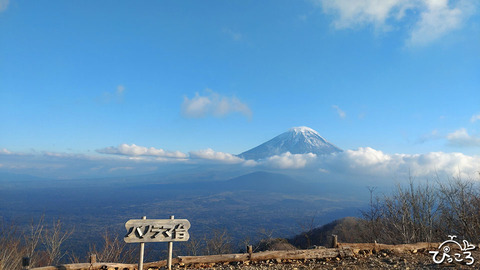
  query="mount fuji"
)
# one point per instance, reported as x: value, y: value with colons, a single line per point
x: 297, y: 140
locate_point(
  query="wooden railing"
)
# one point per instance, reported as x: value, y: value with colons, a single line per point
x: 342, y: 250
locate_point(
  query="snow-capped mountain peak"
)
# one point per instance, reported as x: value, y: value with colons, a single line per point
x: 302, y: 129
x: 297, y: 140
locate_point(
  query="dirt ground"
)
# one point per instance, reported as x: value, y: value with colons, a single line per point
x: 383, y: 259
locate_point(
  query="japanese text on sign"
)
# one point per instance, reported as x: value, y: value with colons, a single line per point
x: 157, y: 230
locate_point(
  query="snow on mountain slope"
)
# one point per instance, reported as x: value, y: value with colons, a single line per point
x: 297, y: 140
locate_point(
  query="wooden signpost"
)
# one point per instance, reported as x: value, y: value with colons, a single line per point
x: 156, y: 230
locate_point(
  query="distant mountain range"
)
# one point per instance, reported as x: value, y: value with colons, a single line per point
x: 297, y: 140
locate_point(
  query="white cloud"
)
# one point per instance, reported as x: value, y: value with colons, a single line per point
x: 290, y: 161
x: 213, y: 104
x: 120, y: 89
x: 114, y: 96
x: 340, y: 112
x: 432, y: 18
x: 366, y: 161
x: 363, y: 163
x: 236, y: 36
x: 352, y: 13
x: 250, y: 163
x: 210, y: 154
x: 135, y: 150
x: 196, y: 107
x: 3, y: 5
x: 462, y: 138
x: 369, y: 163
x: 5, y: 151
x: 475, y: 118
x: 367, y: 157
x: 438, y: 19
x: 434, y: 135
x: 73, y: 165
x: 452, y: 164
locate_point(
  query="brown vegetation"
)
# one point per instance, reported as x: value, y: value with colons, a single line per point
x: 41, y: 244
x: 417, y: 212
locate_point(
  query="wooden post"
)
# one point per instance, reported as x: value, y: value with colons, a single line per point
x: 93, y: 258
x: 25, y: 262
x: 334, y: 241
x: 142, y: 249
x: 170, y: 251
x: 249, y: 251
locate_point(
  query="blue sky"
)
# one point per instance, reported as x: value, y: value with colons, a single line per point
x: 82, y: 77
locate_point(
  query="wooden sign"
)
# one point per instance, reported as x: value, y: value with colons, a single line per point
x: 156, y: 230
